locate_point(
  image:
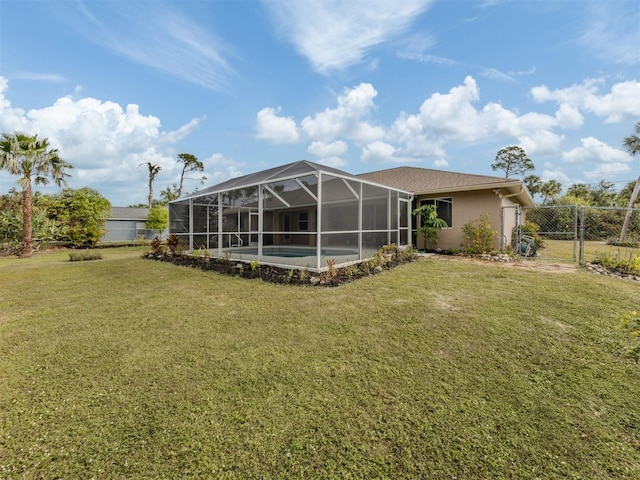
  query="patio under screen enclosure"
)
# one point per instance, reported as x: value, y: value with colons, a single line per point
x: 297, y: 216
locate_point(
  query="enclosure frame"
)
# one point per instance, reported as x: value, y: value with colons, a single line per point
x: 300, y: 215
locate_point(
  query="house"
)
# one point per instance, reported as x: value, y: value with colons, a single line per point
x: 299, y: 215
x: 126, y: 224
x: 460, y: 198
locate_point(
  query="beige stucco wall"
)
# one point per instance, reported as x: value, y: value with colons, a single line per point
x: 467, y: 206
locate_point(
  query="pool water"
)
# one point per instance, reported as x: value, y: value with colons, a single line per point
x: 291, y: 252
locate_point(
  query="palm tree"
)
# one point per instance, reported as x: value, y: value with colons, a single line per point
x: 550, y: 190
x: 533, y: 184
x: 32, y: 159
x: 631, y: 145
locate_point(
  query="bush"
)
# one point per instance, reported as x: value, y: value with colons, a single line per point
x: 631, y: 322
x: 619, y: 264
x: 478, y: 235
x: 173, y: 242
x: 157, y: 247
x: 82, y: 256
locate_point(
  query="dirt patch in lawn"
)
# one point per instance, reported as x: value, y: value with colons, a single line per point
x: 522, y: 264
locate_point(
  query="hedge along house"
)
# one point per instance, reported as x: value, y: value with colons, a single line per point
x: 298, y: 215
x: 460, y: 198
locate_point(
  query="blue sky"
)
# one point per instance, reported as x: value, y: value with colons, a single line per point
x: 358, y: 85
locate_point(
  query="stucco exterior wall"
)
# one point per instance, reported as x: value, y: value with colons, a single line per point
x: 466, y: 206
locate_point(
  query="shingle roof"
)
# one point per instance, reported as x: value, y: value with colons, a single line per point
x: 425, y: 180
x: 299, y: 168
x: 302, y: 167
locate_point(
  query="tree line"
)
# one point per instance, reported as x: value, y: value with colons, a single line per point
x: 75, y: 216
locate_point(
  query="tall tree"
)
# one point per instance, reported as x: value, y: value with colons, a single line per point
x: 631, y: 145
x: 153, y: 171
x: 190, y: 163
x: 513, y: 160
x: 35, y: 162
x: 603, y: 194
x: 533, y: 183
x: 580, y: 190
x: 550, y: 190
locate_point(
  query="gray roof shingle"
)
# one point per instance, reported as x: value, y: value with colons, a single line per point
x: 425, y: 180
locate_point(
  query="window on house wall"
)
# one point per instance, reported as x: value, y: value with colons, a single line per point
x: 444, y: 208
x: 303, y: 221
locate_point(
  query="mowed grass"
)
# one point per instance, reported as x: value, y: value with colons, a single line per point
x: 563, y: 251
x: 443, y: 368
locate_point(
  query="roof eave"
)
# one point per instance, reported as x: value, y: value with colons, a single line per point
x: 515, y: 187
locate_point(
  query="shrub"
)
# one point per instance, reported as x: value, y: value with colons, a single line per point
x: 631, y: 322
x: 157, y: 246
x: 82, y: 256
x: 618, y: 264
x: 173, y: 242
x: 478, y: 235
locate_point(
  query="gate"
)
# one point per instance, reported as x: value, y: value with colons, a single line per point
x: 556, y: 227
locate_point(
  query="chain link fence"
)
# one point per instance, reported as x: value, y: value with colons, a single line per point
x: 601, y: 232
x: 549, y: 226
x: 571, y: 233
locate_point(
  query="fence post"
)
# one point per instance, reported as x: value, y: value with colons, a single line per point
x: 575, y: 230
x: 581, y: 258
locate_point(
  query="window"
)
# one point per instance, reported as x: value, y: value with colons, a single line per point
x: 303, y: 221
x: 444, y: 208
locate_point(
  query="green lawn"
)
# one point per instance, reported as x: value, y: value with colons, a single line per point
x: 442, y: 368
x: 562, y: 251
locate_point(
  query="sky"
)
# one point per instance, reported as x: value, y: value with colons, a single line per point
x: 246, y: 85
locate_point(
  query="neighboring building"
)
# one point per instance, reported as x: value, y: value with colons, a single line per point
x: 460, y: 198
x: 127, y: 224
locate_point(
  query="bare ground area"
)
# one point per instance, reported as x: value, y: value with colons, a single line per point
x: 522, y: 264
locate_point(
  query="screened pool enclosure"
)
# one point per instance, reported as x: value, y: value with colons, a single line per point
x: 297, y: 216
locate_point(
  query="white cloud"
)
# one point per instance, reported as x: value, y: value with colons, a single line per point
x: 272, y: 127
x: 595, y: 151
x: 333, y: 35
x: 557, y: 175
x: 441, y: 163
x: 219, y: 168
x: 160, y: 37
x: 378, y: 152
x: 346, y: 120
x: 541, y: 143
x: 40, y: 77
x: 11, y: 119
x: 568, y: 116
x: 321, y: 149
x: 496, y: 74
x: 103, y: 141
x: 335, y: 162
x: 607, y: 170
x: 622, y: 102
